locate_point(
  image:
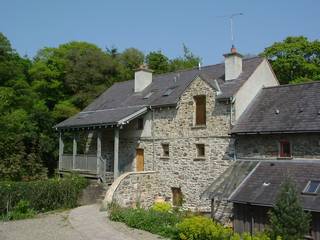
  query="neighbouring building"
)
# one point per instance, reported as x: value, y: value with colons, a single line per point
x: 177, y: 125
x: 257, y: 194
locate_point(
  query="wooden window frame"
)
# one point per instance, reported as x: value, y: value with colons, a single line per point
x: 282, y: 153
x: 177, y: 196
x: 200, y: 118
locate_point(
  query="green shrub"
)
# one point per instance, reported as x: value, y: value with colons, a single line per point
x: 42, y: 196
x: 162, y: 207
x: 21, y: 211
x: 202, y: 228
x: 157, y: 222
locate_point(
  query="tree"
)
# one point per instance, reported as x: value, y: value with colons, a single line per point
x: 287, y: 218
x: 158, y: 62
x: 128, y: 61
x: 189, y: 60
x: 295, y: 60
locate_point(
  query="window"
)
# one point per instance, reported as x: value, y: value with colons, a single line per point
x: 140, y: 123
x: 165, y: 150
x: 148, y: 95
x: 177, y: 197
x: 285, y: 149
x: 168, y: 92
x: 312, y: 187
x: 200, y: 150
x: 200, y: 111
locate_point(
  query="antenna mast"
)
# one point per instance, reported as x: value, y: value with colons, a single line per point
x: 231, y: 25
x: 231, y: 16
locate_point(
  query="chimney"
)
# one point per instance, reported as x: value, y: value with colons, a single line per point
x: 232, y: 64
x: 142, y: 78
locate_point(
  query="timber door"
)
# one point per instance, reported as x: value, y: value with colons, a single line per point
x: 139, y: 160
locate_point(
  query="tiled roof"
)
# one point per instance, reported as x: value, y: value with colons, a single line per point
x: 121, y: 95
x: 229, y: 180
x: 286, y: 108
x: 263, y: 184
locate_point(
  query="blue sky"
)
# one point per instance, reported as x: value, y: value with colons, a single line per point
x: 158, y: 25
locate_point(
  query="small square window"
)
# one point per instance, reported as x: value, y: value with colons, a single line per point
x: 312, y: 187
x: 200, y: 150
x: 140, y: 124
x: 165, y: 150
x: 285, y: 149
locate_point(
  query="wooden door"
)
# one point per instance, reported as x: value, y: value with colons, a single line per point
x: 139, y: 160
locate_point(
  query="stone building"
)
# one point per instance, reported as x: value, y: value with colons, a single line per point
x: 174, y: 125
x: 280, y: 126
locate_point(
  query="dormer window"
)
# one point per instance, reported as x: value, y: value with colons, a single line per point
x: 312, y: 187
x: 200, y: 110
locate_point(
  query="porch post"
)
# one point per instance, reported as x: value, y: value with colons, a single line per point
x: 61, y: 146
x: 74, y: 152
x: 116, y: 153
x: 98, y: 151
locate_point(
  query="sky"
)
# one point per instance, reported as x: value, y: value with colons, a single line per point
x: 149, y: 25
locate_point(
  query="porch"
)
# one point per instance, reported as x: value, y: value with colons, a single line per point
x: 87, y: 157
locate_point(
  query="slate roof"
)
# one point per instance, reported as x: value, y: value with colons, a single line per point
x: 263, y: 184
x: 229, y: 180
x: 286, y: 108
x: 121, y: 95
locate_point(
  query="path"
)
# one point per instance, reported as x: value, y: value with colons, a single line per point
x: 82, y: 223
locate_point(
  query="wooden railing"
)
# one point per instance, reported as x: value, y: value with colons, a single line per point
x: 85, y: 163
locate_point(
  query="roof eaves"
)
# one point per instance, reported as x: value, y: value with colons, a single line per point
x: 132, y: 116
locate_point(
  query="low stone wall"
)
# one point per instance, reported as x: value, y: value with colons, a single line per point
x: 134, y: 188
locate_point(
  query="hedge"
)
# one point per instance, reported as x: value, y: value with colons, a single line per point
x: 44, y: 195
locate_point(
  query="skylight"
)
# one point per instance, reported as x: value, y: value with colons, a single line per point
x: 312, y: 187
x: 148, y: 95
x: 168, y: 91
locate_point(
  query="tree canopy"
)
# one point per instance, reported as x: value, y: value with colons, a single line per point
x: 295, y: 59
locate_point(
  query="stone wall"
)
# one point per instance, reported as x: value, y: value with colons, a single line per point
x: 304, y: 146
x: 134, y: 188
x: 183, y: 169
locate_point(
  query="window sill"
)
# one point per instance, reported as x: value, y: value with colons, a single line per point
x: 199, y: 159
x: 164, y: 158
x: 199, y: 127
x: 284, y: 158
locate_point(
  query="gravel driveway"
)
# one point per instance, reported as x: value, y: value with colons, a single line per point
x: 82, y: 223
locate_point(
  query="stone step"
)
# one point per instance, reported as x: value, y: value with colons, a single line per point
x: 93, y: 193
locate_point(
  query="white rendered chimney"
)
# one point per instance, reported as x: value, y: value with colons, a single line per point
x: 142, y: 78
x: 232, y: 64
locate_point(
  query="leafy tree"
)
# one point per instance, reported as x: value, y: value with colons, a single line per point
x: 129, y: 60
x: 189, y: 60
x: 158, y: 62
x: 287, y: 218
x: 295, y: 60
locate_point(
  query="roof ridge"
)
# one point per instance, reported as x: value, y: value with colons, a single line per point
x: 190, y: 69
x: 292, y: 84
